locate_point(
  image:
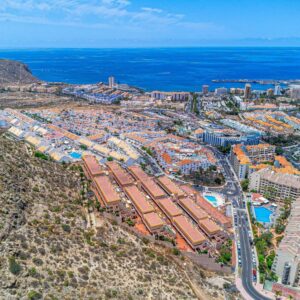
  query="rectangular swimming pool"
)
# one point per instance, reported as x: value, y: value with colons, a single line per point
x: 262, y: 214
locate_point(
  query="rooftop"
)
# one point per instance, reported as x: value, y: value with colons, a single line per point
x: 153, y: 220
x: 209, y: 226
x: 139, y: 199
x: 92, y: 164
x: 169, y: 207
x: 106, y: 189
x: 193, y: 209
x: 170, y: 186
x: 191, y: 233
x: 122, y: 176
x: 153, y: 189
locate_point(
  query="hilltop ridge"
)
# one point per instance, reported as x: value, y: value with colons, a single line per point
x: 15, y: 72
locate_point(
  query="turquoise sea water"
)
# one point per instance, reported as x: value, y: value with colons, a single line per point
x: 185, y: 69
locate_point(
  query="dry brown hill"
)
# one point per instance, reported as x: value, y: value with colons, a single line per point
x: 15, y: 72
x: 47, y: 251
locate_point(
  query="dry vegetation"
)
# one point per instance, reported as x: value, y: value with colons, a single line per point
x: 46, y: 251
x: 31, y: 100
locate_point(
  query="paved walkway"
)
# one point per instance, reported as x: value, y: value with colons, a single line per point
x: 240, y: 287
x: 260, y: 288
x: 257, y: 286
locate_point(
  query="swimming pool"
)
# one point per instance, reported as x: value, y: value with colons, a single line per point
x: 212, y: 199
x: 75, y: 155
x: 262, y: 214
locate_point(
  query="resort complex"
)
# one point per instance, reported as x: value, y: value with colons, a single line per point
x: 159, y: 203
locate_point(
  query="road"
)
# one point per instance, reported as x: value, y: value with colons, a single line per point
x: 246, y: 257
x: 234, y: 191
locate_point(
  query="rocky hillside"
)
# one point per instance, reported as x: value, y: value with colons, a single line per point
x: 47, y: 251
x: 15, y: 72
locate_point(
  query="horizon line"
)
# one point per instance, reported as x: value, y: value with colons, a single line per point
x: 148, y: 47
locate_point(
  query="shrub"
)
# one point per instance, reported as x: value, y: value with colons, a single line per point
x: 121, y: 241
x: 36, y: 189
x: 145, y: 241
x: 70, y: 274
x: 110, y: 293
x: 32, y: 272
x: 66, y: 228
x: 37, y: 261
x: 55, y: 208
x: 14, y: 267
x: 33, y: 295
x: 41, y: 155
x: 114, y: 247
x: 176, y: 251
x: 149, y: 252
x: 130, y: 222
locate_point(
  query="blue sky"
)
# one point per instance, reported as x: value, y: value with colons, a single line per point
x: 152, y: 23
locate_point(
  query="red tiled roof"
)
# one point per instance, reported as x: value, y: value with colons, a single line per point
x: 139, y: 200
x: 92, y: 165
x: 191, y: 233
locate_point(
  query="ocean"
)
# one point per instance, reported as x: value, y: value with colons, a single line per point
x: 166, y: 69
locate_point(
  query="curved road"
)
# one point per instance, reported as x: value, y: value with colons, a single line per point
x: 242, y: 228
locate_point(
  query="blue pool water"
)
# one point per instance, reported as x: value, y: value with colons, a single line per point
x: 262, y: 214
x: 75, y: 155
x: 212, y: 199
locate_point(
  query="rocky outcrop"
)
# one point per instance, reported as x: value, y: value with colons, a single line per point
x: 15, y: 72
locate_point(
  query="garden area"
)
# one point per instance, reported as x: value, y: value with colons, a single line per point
x: 266, y: 242
x: 225, y: 253
x: 208, y: 177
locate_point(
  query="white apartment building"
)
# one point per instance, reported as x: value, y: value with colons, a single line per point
x: 174, y: 96
x: 295, y: 92
x: 188, y: 166
x: 240, y: 126
x: 261, y: 152
x: 239, y: 161
x: 243, y: 157
x: 286, y: 264
x: 280, y: 185
x: 220, y: 91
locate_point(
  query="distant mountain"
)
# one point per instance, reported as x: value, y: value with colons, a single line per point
x: 15, y: 72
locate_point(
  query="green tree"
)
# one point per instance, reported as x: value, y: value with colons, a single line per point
x: 245, y: 184
x: 278, y: 150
